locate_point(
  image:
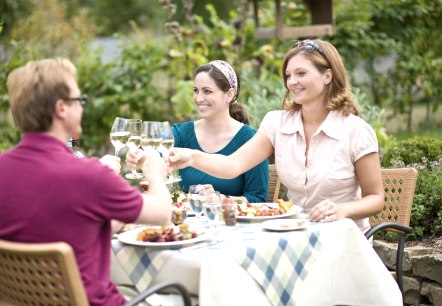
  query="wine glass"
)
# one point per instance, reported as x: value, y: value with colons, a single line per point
x: 151, y: 135
x: 167, y: 137
x: 167, y: 143
x: 119, y: 134
x: 133, y: 126
x: 212, y: 208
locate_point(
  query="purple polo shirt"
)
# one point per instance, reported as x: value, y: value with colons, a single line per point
x: 47, y: 195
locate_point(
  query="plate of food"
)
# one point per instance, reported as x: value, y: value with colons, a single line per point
x: 283, y: 225
x: 162, y: 236
x: 265, y: 211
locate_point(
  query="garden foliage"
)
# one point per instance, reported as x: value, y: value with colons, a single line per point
x: 424, y: 154
x: 152, y: 78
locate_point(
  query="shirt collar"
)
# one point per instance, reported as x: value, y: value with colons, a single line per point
x: 331, y: 125
x: 45, y: 142
x: 292, y: 123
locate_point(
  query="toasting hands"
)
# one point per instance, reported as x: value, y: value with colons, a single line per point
x: 180, y: 158
x: 150, y: 161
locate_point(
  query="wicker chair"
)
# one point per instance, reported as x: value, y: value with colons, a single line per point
x: 47, y: 274
x: 399, y: 186
x: 274, y: 185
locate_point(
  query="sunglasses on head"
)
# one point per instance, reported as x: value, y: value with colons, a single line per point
x: 309, y: 45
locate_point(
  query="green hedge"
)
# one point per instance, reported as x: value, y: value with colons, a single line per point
x: 424, y: 154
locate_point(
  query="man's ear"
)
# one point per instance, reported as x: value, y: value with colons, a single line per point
x: 60, y: 109
x: 328, y: 76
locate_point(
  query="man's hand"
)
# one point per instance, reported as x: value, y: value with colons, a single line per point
x: 112, y: 162
x: 135, y: 158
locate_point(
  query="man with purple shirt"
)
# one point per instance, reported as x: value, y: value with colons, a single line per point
x: 48, y: 195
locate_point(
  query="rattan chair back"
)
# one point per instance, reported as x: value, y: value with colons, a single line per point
x: 399, y: 186
x: 40, y: 274
x: 274, y: 185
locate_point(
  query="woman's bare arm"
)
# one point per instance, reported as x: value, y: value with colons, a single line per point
x: 256, y: 150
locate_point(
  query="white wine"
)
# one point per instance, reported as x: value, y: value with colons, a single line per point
x: 167, y: 143
x: 119, y: 139
x: 134, y: 142
x: 153, y: 143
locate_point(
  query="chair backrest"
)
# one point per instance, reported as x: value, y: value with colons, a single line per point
x: 274, y: 185
x: 40, y: 274
x: 399, y: 186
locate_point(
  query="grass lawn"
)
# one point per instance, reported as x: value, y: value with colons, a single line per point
x: 398, y: 124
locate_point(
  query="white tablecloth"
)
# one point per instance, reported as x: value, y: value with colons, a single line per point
x: 341, y: 268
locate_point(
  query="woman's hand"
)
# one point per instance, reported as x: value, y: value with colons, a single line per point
x: 327, y: 211
x: 239, y: 198
x: 180, y: 158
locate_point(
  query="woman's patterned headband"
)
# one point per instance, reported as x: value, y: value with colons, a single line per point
x: 228, y: 72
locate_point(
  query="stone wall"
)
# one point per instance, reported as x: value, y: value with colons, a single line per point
x: 422, y: 272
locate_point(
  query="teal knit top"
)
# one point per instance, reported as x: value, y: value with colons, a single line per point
x: 252, y: 184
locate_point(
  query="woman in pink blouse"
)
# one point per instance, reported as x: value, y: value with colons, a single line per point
x: 325, y: 154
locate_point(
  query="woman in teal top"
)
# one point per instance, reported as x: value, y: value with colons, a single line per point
x: 222, y: 129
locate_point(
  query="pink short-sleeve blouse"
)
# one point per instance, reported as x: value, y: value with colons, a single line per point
x: 328, y: 171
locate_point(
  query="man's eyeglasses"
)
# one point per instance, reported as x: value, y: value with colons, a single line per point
x: 309, y: 45
x: 83, y: 99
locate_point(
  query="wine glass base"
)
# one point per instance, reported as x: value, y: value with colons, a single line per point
x: 133, y: 176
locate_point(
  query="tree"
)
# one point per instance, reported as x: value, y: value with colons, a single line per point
x: 406, y: 30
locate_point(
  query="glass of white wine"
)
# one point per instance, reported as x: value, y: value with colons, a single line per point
x: 151, y: 135
x: 134, y: 128
x: 167, y: 137
x: 119, y: 134
x: 167, y: 143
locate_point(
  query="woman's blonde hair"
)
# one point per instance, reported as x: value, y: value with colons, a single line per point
x: 324, y: 56
x: 33, y: 90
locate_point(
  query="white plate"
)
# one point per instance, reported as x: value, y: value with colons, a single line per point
x: 130, y: 237
x: 282, y: 225
x: 293, y: 211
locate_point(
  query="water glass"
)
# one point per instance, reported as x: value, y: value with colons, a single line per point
x: 212, y: 208
x: 195, y: 200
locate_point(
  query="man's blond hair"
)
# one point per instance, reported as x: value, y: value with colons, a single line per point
x: 33, y: 90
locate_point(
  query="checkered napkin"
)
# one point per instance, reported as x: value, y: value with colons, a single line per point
x: 280, y: 265
x: 140, y: 263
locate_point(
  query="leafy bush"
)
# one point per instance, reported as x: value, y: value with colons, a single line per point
x: 425, y: 155
x: 412, y: 151
x: 426, y: 215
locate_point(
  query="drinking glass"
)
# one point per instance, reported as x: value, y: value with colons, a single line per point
x: 119, y: 134
x: 151, y: 135
x: 167, y: 143
x: 212, y: 209
x: 195, y: 201
x: 133, y: 126
x: 167, y: 139
x: 179, y: 214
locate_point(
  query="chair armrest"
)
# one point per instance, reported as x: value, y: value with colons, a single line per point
x: 386, y: 225
x: 158, y: 287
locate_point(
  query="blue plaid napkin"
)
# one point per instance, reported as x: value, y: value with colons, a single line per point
x: 280, y: 265
x: 140, y: 263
